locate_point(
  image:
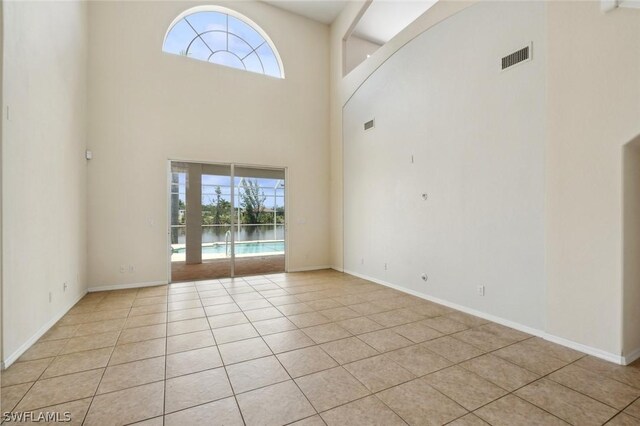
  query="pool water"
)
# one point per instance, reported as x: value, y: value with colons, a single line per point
x: 241, y: 248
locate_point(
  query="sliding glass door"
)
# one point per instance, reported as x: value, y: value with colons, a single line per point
x: 259, y: 226
x: 226, y: 220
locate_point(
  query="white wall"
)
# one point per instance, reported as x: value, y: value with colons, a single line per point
x: 147, y: 107
x: 594, y: 109
x: 340, y: 27
x: 357, y: 51
x: 477, y: 138
x: 342, y: 88
x: 1, y: 149
x: 631, y: 239
x: 43, y: 166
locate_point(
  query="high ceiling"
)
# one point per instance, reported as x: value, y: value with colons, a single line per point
x: 324, y: 11
x: 380, y: 23
x: 384, y: 18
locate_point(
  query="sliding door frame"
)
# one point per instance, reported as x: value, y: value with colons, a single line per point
x: 232, y: 177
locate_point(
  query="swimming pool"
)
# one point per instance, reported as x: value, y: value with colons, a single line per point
x: 242, y: 248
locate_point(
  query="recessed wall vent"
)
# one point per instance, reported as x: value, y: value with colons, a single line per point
x: 369, y: 125
x: 517, y: 57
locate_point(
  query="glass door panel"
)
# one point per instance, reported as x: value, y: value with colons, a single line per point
x: 206, y: 251
x: 260, y: 214
x: 178, y: 231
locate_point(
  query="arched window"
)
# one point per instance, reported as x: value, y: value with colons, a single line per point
x: 222, y: 36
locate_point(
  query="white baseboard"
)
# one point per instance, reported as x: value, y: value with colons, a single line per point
x: 6, y: 363
x: 589, y: 350
x: 598, y: 353
x: 126, y: 286
x: 309, y: 268
x: 633, y: 356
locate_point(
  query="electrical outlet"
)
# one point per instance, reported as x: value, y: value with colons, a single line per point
x: 480, y: 290
x: 424, y: 277
x: 131, y: 269
x: 50, y: 297
x: 64, y: 286
x: 385, y: 266
x: 122, y: 269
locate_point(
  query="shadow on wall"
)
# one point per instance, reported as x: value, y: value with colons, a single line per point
x: 631, y: 248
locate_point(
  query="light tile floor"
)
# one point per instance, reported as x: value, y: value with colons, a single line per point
x: 306, y: 348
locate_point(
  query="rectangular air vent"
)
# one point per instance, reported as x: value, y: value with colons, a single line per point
x: 369, y: 124
x: 517, y: 57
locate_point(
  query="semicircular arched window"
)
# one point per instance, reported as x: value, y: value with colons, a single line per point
x: 222, y: 36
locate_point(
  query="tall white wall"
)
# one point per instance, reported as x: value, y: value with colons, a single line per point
x: 342, y: 87
x: 43, y: 166
x: 147, y: 107
x: 476, y: 135
x: 594, y: 110
x: 591, y: 112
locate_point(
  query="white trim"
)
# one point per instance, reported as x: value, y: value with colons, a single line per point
x: 589, y: 350
x: 598, y: 353
x: 287, y: 214
x: 6, y: 363
x: 126, y: 286
x: 633, y: 356
x: 168, y: 223
x: 310, y: 268
x: 232, y: 219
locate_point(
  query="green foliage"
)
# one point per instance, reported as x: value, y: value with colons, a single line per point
x: 252, y: 207
x: 252, y: 202
x: 279, y: 214
x: 218, y: 211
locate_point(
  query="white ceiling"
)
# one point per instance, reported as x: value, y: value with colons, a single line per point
x: 324, y: 11
x: 380, y: 23
x: 386, y: 18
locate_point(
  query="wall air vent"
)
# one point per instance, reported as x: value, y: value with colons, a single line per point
x: 369, y: 125
x: 517, y: 57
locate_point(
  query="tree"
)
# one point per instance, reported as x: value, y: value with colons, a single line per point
x: 280, y: 214
x: 216, y: 215
x: 252, y: 201
x: 217, y: 211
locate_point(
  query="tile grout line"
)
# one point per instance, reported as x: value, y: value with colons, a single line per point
x: 357, y: 336
x: 45, y: 369
x: 86, y: 415
x: 226, y: 372
x: 166, y: 358
x: 513, y: 393
x: 285, y: 370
